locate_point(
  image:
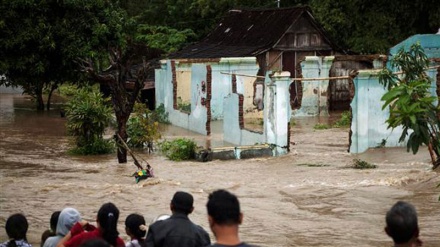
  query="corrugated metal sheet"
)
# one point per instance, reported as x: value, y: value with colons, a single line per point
x: 247, y: 33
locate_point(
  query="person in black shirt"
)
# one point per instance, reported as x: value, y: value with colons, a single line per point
x: 178, y: 230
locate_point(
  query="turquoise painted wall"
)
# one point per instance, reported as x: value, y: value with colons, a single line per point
x: 369, y: 126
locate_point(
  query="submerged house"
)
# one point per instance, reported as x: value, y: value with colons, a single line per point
x: 234, y: 58
x: 279, y: 39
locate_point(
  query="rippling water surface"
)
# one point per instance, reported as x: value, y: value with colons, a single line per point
x: 306, y: 198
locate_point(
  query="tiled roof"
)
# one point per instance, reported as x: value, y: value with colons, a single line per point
x: 244, y: 33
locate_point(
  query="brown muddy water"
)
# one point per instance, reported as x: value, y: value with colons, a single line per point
x: 306, y: 198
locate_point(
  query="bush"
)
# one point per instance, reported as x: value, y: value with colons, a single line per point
x: 344, y: 121
x: 142, y: 127
x: 178, y: 149
x: 88, y: 116
x: 160, y: 115
x: 360, y: 164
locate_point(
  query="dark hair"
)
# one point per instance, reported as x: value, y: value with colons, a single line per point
x: 223, y: 207
x: 53, y: 226
x: 54, y: 220
x: 108, y: 216
x: 182, y: 202
x: 16, y: 228
x: 134, y: 223
x: 401, y: 222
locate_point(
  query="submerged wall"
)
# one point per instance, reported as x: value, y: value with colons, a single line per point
x: 210, y: 83
x: 369, y: 127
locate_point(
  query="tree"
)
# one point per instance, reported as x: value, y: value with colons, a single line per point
x: 40, y: 41
x: 410, y: 102
x: 374, y: 26
x: 88, y: 114
x: 125, y: 77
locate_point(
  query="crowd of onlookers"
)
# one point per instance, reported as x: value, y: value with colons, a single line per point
x: 176, y: 230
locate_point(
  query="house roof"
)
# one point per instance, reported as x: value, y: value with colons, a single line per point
x: 248, y: 33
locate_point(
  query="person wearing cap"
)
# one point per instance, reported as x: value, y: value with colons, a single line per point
x: 178, y: 230
x: 224, y: 217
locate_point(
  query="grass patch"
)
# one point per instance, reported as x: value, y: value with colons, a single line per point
x: 313, y: 165
x: 320, y: 126
x: 361, y: 164
x: 344, y: 121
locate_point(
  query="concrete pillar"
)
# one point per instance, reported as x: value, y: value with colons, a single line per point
x: 277, y: 112
x: 323, y: 85
x: 359, y: 106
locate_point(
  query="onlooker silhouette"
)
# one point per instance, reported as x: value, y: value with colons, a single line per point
x: 178, y: 230
x: 224, y: 218
x: 53, y: 227
x: 107, y: 220
x: 16, y: 228
x: 402, y: 225
x: 137, y: 230
x: 67, y: 218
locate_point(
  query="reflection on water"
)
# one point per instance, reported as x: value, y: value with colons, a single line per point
x: 306, y: 198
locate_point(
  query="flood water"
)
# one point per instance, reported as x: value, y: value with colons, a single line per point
x: 308, y: 197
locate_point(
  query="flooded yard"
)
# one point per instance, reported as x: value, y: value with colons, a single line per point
x: 309, y: 197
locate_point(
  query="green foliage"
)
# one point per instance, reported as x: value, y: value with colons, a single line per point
x: 344, y: 121
x: 321, y: 126
x: 98, y: 146
x: 68, y: 90
x: 184, y: 106
x: 373, y: 27
x: 142, y: 127
x: 361, y: 164
x: 88, y: 114
x: 178, y: 149
x: 410, y: 101
x: 164, y: 38
x: 41, y: 41
x: 161, y: 115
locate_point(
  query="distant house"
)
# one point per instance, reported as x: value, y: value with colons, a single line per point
x: 279, y: 38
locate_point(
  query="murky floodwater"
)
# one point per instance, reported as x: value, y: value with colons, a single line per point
x: 306, y: 198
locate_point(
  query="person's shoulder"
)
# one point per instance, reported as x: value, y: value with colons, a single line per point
x: 23, y: 243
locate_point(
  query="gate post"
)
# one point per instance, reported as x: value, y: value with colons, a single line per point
x: 277, y: 112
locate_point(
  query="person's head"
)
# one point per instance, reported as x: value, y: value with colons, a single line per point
x: 135, y: 226
x: 107, y: 219
x: 16, y: 227
x: 53, y: 226
x: 67, y: 218
x: 401, y: 223
x: 182, y: 202
x: 54, y: 220
x: 223, y: 208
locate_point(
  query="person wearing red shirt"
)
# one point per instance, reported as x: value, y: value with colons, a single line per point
x: 107, y: 220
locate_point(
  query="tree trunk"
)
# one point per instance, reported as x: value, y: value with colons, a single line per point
x: 49, y: 97
x: 122, y: 131
x: 39, y: 99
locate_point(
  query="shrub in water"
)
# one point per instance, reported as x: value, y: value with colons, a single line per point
x: 178, y: 149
